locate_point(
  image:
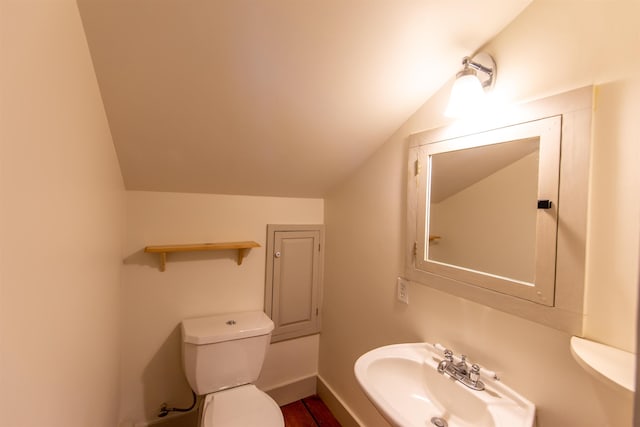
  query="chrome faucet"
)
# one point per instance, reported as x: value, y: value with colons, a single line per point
x: 445, y: 364
x: 462, y: 366
x: 460, y: 371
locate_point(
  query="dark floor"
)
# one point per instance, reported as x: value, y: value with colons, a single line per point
x: 308, y: 412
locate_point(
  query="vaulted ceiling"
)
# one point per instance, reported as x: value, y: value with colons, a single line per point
x: 271, y: 97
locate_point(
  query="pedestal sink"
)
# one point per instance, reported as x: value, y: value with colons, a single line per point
x: 403, y: 383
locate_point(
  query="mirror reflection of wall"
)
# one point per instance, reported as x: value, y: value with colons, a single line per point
x: 483, y: 208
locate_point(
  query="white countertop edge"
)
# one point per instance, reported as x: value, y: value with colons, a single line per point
x: 605, y: 362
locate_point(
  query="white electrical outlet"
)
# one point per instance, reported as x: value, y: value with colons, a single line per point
x: 402, y: 290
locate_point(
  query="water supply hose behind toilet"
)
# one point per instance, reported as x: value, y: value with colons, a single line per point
x: 164, y: 410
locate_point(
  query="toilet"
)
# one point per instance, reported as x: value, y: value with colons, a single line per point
x: 222, y: 356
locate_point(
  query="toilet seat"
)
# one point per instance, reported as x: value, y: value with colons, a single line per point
x: 243, y: 406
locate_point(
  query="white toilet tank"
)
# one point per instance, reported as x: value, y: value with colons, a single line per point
x: 224, y: 350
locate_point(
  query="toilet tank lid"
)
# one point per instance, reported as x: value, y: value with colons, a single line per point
x: 225, y: 327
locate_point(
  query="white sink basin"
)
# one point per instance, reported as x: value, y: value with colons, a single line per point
x: 403, y: 383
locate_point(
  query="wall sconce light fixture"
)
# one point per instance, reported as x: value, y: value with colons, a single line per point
x: 468, y: 93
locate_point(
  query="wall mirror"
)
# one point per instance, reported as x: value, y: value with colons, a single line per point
x: 497, y: 214
x: 481, y: 218
x: 481, y: 209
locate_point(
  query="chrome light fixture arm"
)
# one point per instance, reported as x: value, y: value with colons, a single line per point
x: 489, y: 69
x: 478, y: 76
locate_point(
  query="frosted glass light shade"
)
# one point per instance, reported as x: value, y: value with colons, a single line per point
x: 467, y: 96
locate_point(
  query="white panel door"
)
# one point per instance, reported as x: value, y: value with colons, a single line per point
x: 295, y: 294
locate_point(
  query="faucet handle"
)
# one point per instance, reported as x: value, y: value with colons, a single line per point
x: 448, y: 354
x: 474, y: 374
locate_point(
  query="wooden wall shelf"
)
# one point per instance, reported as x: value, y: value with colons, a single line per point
x: 163, y: 250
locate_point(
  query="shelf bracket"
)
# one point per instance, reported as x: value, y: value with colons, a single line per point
x: 163, y: 261
x: 241, y: 253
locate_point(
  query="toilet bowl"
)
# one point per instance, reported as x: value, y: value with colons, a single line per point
x: 241, y: 406
x: 222, y: 356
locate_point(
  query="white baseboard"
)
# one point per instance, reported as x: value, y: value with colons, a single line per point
x: 336, y: 405
x: 296, y: 390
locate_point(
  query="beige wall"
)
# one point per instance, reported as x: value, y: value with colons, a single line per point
x: 552, y: 47
x: 612, y: 263
x: 197, y: 284
x: 61, y: 225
